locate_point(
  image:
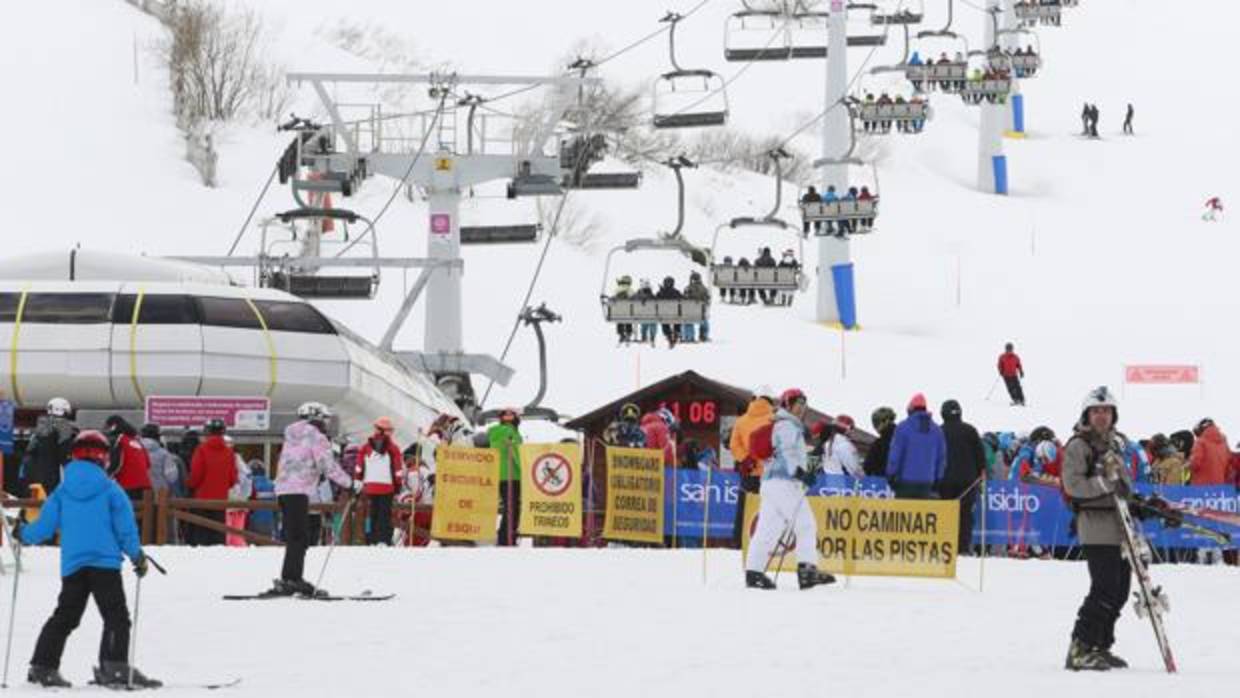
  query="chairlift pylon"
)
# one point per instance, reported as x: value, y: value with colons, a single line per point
x: 704, y: 90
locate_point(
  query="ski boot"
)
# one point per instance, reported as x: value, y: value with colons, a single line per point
x: 47, y: 677
x: 758, y: 580
x: 808, y: 576
x: 1113, y: 660
x: 279, y: 588
x: 305, y: 590
x: 118, y: 675
x: 1082, y: 657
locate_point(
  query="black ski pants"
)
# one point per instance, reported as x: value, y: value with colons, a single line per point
x: 1110, y: 581
x: 109, y: 592
x: 201, y: 535
x: 510, y: 512
x: 380, y: 518
x: 1015, y: 391
x: 295, y: 518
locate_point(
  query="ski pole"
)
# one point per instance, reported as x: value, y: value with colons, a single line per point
x: 991, y: 392
x: 344, y: 516
x: 17, y: 576
x: 133, y: 633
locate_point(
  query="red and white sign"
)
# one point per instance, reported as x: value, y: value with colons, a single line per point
x: 441, y: 223
x: 245, y: 413
x: 1162, y: 375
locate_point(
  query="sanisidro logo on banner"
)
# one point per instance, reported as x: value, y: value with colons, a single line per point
x: 1015, y: 502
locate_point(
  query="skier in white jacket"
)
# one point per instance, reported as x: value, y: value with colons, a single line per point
x: 784, y: 480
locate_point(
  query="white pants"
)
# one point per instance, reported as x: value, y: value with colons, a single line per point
x: 783, y: 501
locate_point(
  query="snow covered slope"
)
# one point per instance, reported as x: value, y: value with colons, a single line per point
x: 1097, y: 259
x: 604, y: 623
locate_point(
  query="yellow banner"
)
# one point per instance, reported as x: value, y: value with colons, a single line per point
x: 876, y: 537
x: 634, y: 495
x: 466, y: 494
x: 550, y: 490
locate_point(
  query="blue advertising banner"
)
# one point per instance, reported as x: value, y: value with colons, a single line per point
x: 1016, y: 513
x: 6, y: 426
x: 1026, y: 515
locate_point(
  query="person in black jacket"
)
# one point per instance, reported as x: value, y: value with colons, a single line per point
x: 966, y: 462
x: 884, y: 421
x: 668, y: 291
x: 49, y: 447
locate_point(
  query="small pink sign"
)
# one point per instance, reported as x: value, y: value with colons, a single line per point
x: 1163, y: 375
x: 441, y: 223
x: 237, y: 412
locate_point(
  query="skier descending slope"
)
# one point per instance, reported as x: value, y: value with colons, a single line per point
x: 784, y: 505
x: 96, y: 525
x: 1093, y: 476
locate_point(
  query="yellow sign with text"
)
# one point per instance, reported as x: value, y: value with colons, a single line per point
x: 550, y: 490
x: 634, y: 495
x: 876, y: 537
x: 466, y: 494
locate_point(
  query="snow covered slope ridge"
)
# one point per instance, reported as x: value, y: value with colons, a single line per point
x: 1098, y: 258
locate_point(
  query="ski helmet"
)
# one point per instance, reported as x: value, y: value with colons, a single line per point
x: 882, y: 417
x: 917, y: 402
x: 59, y: 407
x: 790, y: 396
x: 215, y: 425
x: 1046, y: 452
x: 90, y: 445
x: 630, y: 412
x: 384, y: 424
x: 150, y: 430
x: 1100, y: 397
x: 1040, y: 434
x: 668, y: 418
x: 845, y: 423
x: 951, y: 410
x: 313, y: 412
x: 1204, y: 424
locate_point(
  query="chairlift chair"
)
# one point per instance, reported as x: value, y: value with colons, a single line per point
x: 286, y: 274
x: 756, y: 35
x: 736, y: 281
x: 688, y: 98
x: 662, y: 311
x: 843, y: 217
x: 1025, y: 65
x: 901, y: 16
x: 1032, y: 13
x: 994, y: 87
x: 528, y: 183
x: 877, y: 117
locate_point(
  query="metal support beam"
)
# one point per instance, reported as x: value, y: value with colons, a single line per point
x: 341, y: 262
x: 405, y: 308
x: 427, y: 78
x: 445, y: 362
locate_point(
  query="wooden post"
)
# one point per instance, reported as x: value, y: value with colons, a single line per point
x: 161, y: 518
x: 148, y: 516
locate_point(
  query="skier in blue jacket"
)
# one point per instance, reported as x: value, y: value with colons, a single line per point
x: 96, y: 524
x: 918, y: 456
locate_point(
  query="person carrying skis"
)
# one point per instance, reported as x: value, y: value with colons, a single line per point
x: 784, y: 505
x: 1093, y: 473
x: 95, y: 521
x: 305, y: 459
x: 1012, y: 371
x: 1214, y: 207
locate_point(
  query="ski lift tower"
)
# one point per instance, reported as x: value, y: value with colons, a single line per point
x: 837, y: 303
x: 1011, y: 41
x: 443, y: 171
x: 992, y: 174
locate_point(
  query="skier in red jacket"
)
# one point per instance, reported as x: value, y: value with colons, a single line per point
x: 1012, y: 371
x: 378, y: 467
x: 212, y: 472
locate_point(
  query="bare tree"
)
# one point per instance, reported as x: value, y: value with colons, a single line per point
x: 215, y: 63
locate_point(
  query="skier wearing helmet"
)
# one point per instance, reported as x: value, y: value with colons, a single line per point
x: 378, y: 466
x: 49, y: 447
x: 784, y: 504
x: 918, y: 457
x: 625, y: 432
x: 1093, y: 473
x: 660, y: 426
x: 212, y: 473
x: 304, y: 460
x: 883, y: 420
x: 95, y: 521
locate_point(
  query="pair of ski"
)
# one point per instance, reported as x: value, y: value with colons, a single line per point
x: 364, y: 596
x: 182, y: 686
x: 1150, y: 601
